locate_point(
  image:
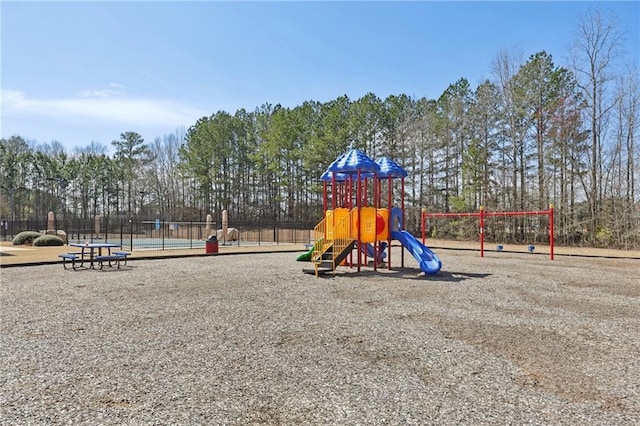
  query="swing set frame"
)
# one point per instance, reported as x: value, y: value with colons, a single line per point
x: 482, y: 215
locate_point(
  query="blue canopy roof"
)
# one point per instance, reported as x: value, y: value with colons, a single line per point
x: 389, y: 168
x: 352, y: 162
x: 327, y: 176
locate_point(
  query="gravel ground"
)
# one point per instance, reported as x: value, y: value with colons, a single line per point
x: 250, y: 339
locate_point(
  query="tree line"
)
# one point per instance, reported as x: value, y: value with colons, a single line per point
x: 534, y: 133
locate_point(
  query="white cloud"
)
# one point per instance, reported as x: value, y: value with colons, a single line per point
x: 114, y: 89
x: 109, y: 105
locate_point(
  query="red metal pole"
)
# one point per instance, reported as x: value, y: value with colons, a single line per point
x: 365, y: 192
x: 424, y: 224
x: 455, y: 214
x: 349, y: 193
x: 516, y: 213
x: 551, y: 229
x: 481, y: 231
x: 349, y: 200
x: 324, y: 198
x: 403, y: 222
x: 358, y: 204
x: 375, y: 226
x: 389, y: 201
x: 333, y: 190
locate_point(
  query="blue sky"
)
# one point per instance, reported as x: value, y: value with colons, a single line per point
x: 79, y: 72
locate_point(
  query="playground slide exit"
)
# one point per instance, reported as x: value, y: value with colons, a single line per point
x: 429, y: 262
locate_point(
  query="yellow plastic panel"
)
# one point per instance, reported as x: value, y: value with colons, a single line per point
x: 368, y: 224
x: 329, y: 224
x: 354, y: 223
x: 342, y: 229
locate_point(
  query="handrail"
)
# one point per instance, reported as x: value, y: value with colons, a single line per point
x: 338, y: 238
x: 343, y: 237
x: 321, y: 242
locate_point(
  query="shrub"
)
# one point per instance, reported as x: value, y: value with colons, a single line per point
x: 25, y: 237
x: 48, y: 240
x: 604, y: 237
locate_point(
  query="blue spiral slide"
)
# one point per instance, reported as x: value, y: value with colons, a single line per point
x: 429, y: 262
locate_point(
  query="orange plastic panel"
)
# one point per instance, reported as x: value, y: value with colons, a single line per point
x: 382, y: 224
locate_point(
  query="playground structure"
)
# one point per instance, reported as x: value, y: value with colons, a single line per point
x: 356, y: 221
x: 482, y: 214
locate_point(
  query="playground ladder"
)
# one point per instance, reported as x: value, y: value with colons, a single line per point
x: 335, y: 239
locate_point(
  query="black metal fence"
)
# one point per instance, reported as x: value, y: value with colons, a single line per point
x: 159, y: 234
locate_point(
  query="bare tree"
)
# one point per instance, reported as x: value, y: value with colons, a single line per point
x: 596, y: 47
x: 627, y: 113
x: 505, y: 67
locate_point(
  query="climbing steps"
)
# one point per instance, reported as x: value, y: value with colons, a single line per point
x: 327, y: 261
x: 333, y: 244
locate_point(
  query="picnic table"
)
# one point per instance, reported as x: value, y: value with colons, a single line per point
x: 93, y: 252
